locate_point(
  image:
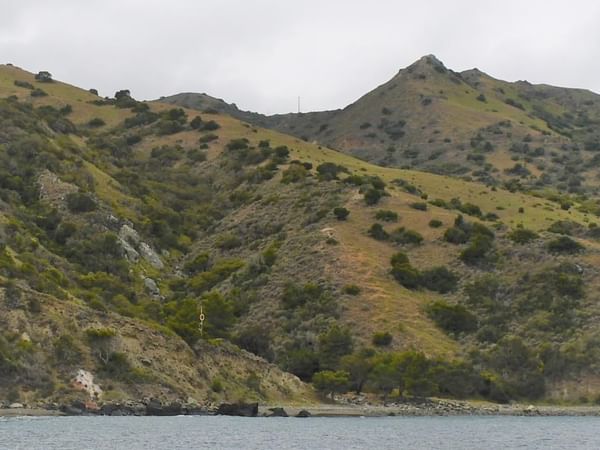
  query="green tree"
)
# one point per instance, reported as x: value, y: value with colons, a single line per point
x: 359, y: 366
x: 330, y: 382
x: 333, y: 344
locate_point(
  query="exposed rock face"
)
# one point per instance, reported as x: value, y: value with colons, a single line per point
x: 134, y: 247
x: 150, y: 255
x: 128, y: 237
x: 84, y: 380
x: 238, y: 409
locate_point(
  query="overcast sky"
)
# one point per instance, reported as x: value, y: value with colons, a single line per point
x: 262, y: 54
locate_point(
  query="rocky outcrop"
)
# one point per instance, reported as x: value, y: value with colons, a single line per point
x: 303, y: 413
x: 134, y: 247
x: 238, y: 409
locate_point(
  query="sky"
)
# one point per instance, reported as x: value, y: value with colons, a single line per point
x: 263, y: 54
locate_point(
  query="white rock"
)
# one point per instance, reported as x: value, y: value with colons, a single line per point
x: 150, y: 255
x: 84, y: 380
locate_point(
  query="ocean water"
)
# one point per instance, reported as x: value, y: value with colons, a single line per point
x: 199, y: 432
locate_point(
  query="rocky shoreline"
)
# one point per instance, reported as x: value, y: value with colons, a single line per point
x: 421, y: 407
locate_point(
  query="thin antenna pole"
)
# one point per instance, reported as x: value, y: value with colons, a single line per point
x: 298, y: 104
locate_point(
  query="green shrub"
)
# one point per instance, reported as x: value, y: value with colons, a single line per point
x: 372, y: 196
x: 522, y: 235
x: 208, y: 138
x: 564, y: 244
x: 455, y: 235
x: 435, y: 223
x: 453, y: 319
x: 565, y: 227
x: 341, y: 213
x: 37, y: 92
x: 216, y: 386
x: 228, y: 241
x: 211, y: 125
x: 196, y: 123
x: 378, y: 232
x: 478, y: 249
x: 78, y: 202
x: 382, y: 339
x: 386, y: 215
x: 403, y: 272
x: 351, y: 289
x: 421, y: 206
x: 403, y: 236
x: 439, y: 279
x: 24, y: 84
x: 294, y: 173
x: 96, y: 122
x: 329, y: 171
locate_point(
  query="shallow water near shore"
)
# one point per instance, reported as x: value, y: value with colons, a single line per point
x: 217, y: 432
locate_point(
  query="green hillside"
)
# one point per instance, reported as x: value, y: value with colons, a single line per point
x: 521, y: 136
x: 121, y: 219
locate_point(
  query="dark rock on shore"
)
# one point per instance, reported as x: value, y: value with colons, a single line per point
x: 156, y: 408
x: 277, y: 412
x: 303, y: 413
x: 238, y: 409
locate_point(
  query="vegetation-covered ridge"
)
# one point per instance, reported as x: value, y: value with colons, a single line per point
x: 521, y: 136
x: 121, y: 220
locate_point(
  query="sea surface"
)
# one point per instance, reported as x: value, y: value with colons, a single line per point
x: 216, y: 432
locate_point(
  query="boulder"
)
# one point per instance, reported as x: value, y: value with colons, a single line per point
x: 16, y: 405
x: 238, y: 409
x: 278, y: 412
x: 151, y: 287
x: 303, y: 413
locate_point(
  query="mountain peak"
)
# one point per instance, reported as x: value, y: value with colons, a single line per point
x: 428, y: 62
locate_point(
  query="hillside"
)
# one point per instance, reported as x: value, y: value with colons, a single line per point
x: 467, y: 124
x: 120, y: 219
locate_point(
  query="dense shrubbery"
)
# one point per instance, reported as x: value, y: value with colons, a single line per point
x: 453, y: 319
x: 78, y: 202
x: 479, y: 237
x: 438, y: 279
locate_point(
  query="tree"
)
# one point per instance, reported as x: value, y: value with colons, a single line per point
x: 384, y: 375
x: 219, y: 314
x: 196, y: 123
x: 359, y: 366
x: 331, y: 382
x: 334, y: 344
x: 44, y: 77
x: 341, y: 213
